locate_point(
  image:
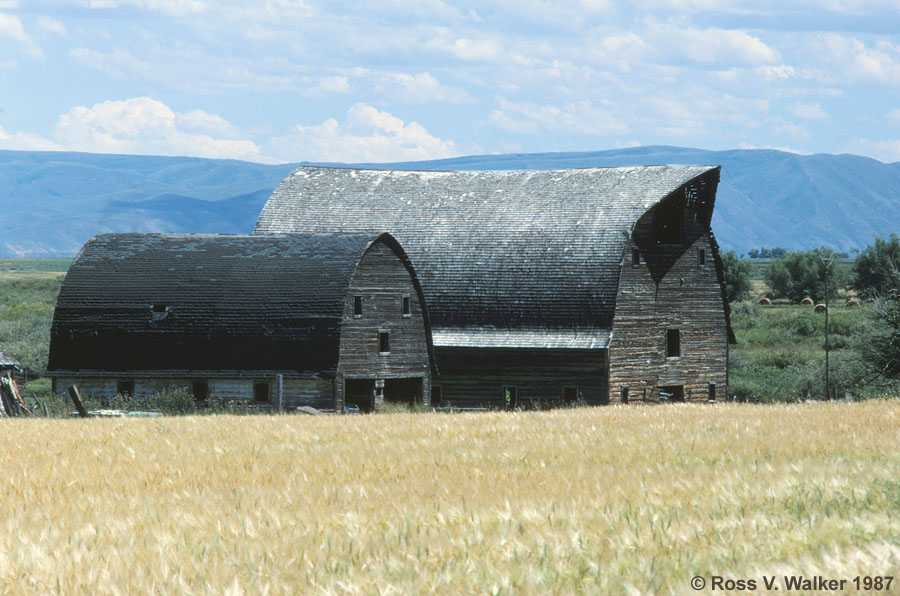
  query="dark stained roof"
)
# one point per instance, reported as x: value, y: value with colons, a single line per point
x: 512, y: 258
x: 180, y: 302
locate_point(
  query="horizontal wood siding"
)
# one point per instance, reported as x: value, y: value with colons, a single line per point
x: 318, y: 393
x: 669, y: 289
x: 382, y: 280
x: 475, y: 377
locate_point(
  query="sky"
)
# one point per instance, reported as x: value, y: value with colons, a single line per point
x: 278, y: 81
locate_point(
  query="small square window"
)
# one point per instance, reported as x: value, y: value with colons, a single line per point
x: 200, y: 390
x: 405, y: 306
x: 125, y: 388
x: 701, y: 257
x: 635, y: 258
x: 260, y: 392
x: 384, y: 342
x: 357, y: 306
x: 673, y: 343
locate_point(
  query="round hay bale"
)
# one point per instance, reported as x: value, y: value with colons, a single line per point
x: 821, y: 307
x: 765, y: 301
x: 852, y: 303
x: 807, y: 301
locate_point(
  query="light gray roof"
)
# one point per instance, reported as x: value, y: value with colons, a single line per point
x: 495, y: 251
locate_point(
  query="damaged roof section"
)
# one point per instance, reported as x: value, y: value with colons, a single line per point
x: 140, y: 302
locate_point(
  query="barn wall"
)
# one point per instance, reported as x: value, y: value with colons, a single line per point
x: 669, y: 289
x: 382, y: 280
x: 475, y: 377
x: 318, y: 393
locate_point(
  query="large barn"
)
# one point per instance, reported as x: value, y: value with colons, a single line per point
x: 312, y: 319
x: 590, y: 285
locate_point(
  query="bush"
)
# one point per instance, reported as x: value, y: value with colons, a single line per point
x: 737, y: 276
x: 875, y: 270
x: 800, y: 274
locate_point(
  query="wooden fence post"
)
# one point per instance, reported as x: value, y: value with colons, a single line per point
x: 76, y: 399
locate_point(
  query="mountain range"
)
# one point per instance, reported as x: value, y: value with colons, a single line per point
x: 51, y: 203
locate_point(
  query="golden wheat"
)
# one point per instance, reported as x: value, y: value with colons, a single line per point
x: 605, y: 500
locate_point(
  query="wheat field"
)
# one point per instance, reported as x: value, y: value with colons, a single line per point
x: 618, y: 500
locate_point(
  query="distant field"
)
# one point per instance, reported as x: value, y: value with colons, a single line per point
x: 33, y: 268
x: 614, y: 500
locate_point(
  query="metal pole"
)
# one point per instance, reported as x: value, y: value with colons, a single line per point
x: 827, y: 261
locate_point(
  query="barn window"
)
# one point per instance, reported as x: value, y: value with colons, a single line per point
x: 701, y: 257
x: 384, y: 342
x: 405, y: 306
x: 510, y: 398
x: 357, y: 306
x: 712, y: 392
x: 158, y: 312
x: 635, y: 258
x: 125, y: 388
x: 260, y: 392
x: 673, y: 343
x: 200, y: 390
x: 625, y: 394
x: 437, y: 395
x: 570, y: 395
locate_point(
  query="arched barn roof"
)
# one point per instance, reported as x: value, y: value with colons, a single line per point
x: 189, y: 302
x: 505, y: 258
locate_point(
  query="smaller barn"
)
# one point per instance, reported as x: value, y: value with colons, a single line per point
x: 320, y: 320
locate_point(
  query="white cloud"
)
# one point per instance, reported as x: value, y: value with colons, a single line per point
x: 11, y: 27
x: 26, y: 142
x: 887, y: 151
x: 187, y: 71
x: 471, y: 50
x: 53, y: 26
x: 808, y: 111
x: 730, y: 47
x: 141, y: 126
x: 420, y: 88
x: 169, y: 7
x: 367, y: 135
x: 858, y: 62
x: 579, y: 118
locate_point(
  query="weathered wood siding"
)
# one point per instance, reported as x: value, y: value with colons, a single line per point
x: 318, y: 393
x: 382, y: 281
x: 669, y: 289
x: 475, y: 377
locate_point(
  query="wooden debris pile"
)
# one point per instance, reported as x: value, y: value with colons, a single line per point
x: 11, y: 401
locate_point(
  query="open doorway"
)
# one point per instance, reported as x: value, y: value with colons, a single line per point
x: 672, y: 392
x: 403, y: 391
x: 360, y: 392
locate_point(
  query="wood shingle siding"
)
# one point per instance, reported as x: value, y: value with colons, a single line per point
x: 165, y: 311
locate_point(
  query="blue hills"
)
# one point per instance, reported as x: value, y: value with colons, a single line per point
x: 53, y: 202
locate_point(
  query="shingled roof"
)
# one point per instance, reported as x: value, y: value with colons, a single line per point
x: 507, y: 258
x: 179, y: 302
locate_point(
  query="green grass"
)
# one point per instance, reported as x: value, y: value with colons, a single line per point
x: 26, y: 312
x: 780, y: 352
